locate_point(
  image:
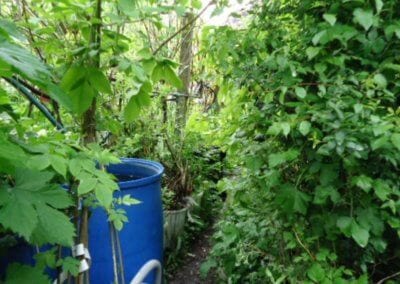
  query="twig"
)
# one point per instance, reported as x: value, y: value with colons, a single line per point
x: 303, y: 245
x: 388, y: 277
x: 182, y: 28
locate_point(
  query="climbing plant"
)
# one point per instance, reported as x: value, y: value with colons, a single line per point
x: 312, y: 91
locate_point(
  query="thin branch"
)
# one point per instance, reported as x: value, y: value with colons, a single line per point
x: 182, y: 28
x: 303, y: 245
x: 388, y: 277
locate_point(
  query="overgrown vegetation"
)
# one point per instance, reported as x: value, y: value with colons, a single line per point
x: 290, y: 118
x: 312, y: 93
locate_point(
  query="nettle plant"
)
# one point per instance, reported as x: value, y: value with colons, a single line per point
x: 319, y: 136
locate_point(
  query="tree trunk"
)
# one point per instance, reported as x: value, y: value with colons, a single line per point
x: 184, y: 74
x: 88, y: 128
x: 89, y: 117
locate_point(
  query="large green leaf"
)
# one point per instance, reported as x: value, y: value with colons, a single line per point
x: 137, y: 102
x: 53, y: 227
x: 292, y: 200
x: 19, y: 216
x: 24, y: 274
x: 28, y: 209
x: 364, y: 17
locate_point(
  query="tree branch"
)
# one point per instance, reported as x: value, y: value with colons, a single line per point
x: 182, y: 28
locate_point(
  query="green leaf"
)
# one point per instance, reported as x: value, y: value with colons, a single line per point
x: 292, y: 200
x: 359, y: 234
x: 323, y: 192
x: 31, y: 180
x: 86, y: 185
x: 172, y: 78
x: 99, y: 81
x: 316, y: 273
x: 23, y: 274
x: 54, y: 227
x: 82, y: 97
x: 137, y: 102
x: 330, y: 18
x: 38, y: 162
x: 312, y: 52
x: 380, y: 81
x: 278, y: 159
x: 363, y: 182
x: 382, y: 189
x: 344, y: 224
x: 164, y: 71
x: 395, y: 139
x: 363, y: 17
x: 19, y: 216
x: 71, y: 265
x: 59, y: 164
x: 300, y: 92
x: 379, y: 6
x: 104, y: 195
x: 55, y: 196
x: 285, y: 128
x: 8, y: 28
x: 75, y: 167
x: 73, y: 78
x: 304, y: 127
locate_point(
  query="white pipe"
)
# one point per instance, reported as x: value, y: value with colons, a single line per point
x: 146, y: 269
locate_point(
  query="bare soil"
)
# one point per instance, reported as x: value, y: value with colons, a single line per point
x: 189, y: 273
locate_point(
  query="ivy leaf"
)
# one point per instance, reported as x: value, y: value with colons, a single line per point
x: 300, y: 92
x: 364, y: 17
x: 304, y: 127
x: 292, y: 200
x: 23, y: 274
x: 330, y: 18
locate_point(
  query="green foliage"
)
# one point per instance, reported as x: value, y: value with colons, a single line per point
x: 318, y: 198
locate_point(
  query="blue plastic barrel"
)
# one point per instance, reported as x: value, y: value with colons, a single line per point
x: 141, y: 238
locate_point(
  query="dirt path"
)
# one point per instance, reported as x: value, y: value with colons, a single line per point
x: 189, y: 273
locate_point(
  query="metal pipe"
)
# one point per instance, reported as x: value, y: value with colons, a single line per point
x: 146, y: 269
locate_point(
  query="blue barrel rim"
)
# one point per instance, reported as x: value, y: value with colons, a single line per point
x: 155, y: 166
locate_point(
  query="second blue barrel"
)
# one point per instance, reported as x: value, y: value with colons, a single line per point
x: 141, y: 239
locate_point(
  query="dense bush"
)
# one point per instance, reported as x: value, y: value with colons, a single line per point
x: 317, y: 136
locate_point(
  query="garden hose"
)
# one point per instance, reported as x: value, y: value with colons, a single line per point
x: 16, y: 84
